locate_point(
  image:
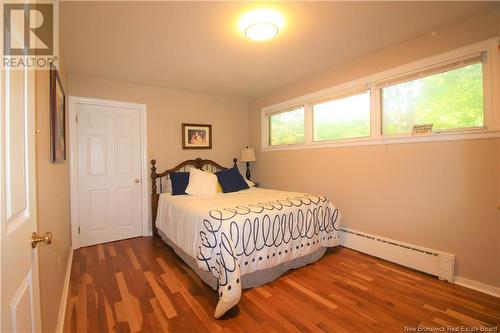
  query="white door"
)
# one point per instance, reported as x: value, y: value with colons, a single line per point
x: 109, y: 173
x: 20, y: 302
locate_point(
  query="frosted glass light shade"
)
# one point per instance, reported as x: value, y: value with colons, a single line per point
x: 261, y: 24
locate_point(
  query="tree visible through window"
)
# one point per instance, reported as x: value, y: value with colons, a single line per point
x: 449, y: 100
x: 342, y: 118
x: 287, y: 127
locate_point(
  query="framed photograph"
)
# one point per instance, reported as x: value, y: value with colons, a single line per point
x: 57, y: 118
x: 196, y: 136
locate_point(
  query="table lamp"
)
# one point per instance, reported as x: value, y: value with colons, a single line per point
x: 247, y: 155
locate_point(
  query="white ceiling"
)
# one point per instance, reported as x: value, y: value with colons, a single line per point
x: 195, y: 46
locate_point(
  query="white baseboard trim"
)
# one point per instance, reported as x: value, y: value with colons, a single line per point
x: 479, y: 286
x: 64, y: 297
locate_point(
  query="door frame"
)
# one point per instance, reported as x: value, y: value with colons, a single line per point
x: 73, y: 162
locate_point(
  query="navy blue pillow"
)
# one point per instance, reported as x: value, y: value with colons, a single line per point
x: 231, y: 180
x: 180, y: 181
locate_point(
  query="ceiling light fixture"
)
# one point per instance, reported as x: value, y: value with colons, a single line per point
x: 261, y: 25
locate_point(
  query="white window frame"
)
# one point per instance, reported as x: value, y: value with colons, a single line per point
x: 491, y: 84
x: 353, y: 92
x: 292, y: 108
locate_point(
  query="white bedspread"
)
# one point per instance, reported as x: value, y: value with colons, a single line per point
x: 237, y: 233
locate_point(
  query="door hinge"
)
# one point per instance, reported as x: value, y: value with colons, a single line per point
x: 76, y: 118
x: 78, y: 229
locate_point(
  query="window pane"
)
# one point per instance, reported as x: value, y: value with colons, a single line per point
x: 343, y: 118
x: 452, y: 99
x: 287, y: 127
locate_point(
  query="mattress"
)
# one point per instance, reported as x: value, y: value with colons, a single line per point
x: 231, y: 235
x: 249, y: 280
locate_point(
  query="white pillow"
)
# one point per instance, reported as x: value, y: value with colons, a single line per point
x: 201, y: 182
x: 250, y: 183
x: 167, y: 185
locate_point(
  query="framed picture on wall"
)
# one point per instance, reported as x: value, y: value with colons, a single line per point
x: 57, y: 118
x: 196, y: 136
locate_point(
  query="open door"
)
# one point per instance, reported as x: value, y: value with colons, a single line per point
x: 20, y: 304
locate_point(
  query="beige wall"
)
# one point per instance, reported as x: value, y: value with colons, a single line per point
x: 167, y: 110
x: 441, y: 195
x: 52, y: 207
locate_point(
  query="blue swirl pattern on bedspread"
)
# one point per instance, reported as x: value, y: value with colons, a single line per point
x: 237, y: 240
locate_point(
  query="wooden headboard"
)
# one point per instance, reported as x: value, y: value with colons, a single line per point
x: 159, y: 180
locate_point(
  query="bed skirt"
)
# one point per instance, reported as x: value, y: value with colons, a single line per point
x: 250, y: 280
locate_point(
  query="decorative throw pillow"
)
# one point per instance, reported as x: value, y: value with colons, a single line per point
x: 231, y: 180
x: 201, y: 182
x: 250, y: 183
x: 179, y: 181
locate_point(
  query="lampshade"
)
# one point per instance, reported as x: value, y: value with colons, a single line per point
x: 247, y: 155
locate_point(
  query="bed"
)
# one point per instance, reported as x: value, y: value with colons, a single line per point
x: 242, y: 239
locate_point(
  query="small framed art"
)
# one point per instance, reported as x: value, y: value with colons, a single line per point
x: 196, y: 136
x: 57, y: 118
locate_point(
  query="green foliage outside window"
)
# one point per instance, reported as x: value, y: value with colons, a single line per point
x: 452, y: 99
x: 448, y: 100
x: 287, y: 128
x: 342, y: 118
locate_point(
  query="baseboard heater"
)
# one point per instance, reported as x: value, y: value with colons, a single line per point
x: 430, y: 261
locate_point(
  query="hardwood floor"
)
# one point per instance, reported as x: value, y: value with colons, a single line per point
x: 136, y: 286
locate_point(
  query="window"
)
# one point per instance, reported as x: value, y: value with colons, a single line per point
x: 287, y: 128
x: 450, y: 99
x: 342, y: 118
x: 453, y: 91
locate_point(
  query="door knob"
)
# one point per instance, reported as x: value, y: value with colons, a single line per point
x: 137, y: 180
x: 35, y: 239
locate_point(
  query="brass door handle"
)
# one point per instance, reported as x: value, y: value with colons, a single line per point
x: 137, y: 180
x: 35, y: 239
